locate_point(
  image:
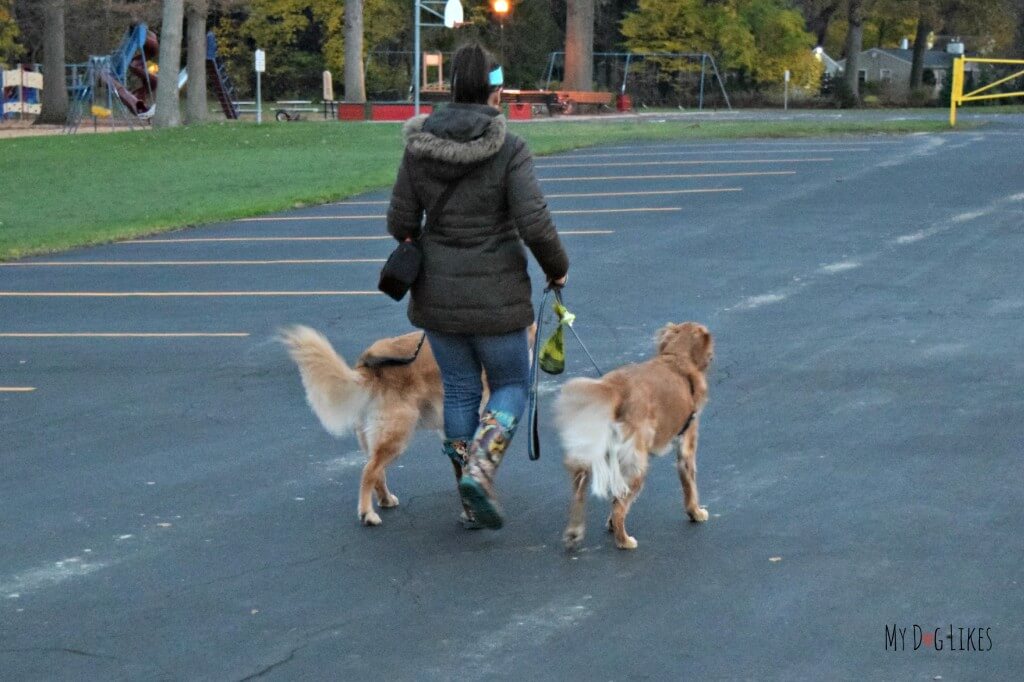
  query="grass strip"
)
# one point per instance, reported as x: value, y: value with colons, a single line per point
x: 61, y: 192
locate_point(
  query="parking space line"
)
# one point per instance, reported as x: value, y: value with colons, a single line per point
x: 17, y: 389
x: 177, y: 294
x: 136, y: 263
x: 293, y: 218
x: 687, y: 162
x: 613, y: 155
x: 669, y: 176
x: 123, y: 335
x: 620, y: 210
x: 190, y: 240
x: 643, y: 193
x: 380, y: 217
x: 182, y: 240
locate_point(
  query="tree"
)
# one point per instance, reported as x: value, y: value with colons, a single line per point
x: 355, y: 87
x: 168, y: 114
x: 55, y: 94
x: 10, y: 50
x: 195, y: 102
x: 579, y: 45
x: 854, y: 43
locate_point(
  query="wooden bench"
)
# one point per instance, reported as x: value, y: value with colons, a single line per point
x: 570, y: 101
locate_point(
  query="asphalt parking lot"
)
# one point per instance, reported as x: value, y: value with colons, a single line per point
x: 172, y: 510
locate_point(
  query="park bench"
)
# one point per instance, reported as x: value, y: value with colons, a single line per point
x: 570, y: 101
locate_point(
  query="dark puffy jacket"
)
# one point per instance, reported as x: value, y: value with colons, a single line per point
x: 474, y: 278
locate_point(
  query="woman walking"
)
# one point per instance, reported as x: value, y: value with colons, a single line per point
x: 472, y: 296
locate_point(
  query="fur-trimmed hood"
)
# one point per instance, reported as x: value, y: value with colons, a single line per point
x: 460, y: 134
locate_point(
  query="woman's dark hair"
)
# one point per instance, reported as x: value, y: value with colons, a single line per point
x: 471, y: 69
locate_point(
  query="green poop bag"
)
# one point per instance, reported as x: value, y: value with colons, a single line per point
x: 552, y: 353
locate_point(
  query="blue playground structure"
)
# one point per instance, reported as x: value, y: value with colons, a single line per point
x: 125, y: 82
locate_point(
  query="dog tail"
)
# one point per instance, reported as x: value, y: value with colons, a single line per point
x: 585, y: 416
x: 336, y: 392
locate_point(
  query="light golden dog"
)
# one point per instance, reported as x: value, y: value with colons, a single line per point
x: 383, y: 404
x: 610, y: 426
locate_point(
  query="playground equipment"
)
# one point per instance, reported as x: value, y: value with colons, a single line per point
x: 612, y: 69
x: 20, y: 90
x: 134, y: 63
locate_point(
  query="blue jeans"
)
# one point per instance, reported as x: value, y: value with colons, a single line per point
x: 461, y: 357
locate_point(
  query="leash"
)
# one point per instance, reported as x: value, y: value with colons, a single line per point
x: 374, y: 362
x: 533, y: 446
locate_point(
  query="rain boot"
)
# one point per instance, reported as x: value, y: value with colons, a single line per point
x: 476, y: 486
x: 457, y: 451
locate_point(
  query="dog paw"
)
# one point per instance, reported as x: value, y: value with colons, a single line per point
x: 699, y: 516
x: 370, y: 519
x: 572, y: 537
x: 390, y: 501
x: 630, y: 543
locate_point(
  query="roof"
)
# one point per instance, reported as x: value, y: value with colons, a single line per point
x: 933, y: 59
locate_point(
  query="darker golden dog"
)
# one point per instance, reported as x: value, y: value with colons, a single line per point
x: 383, y: 404
x: 609, y: 427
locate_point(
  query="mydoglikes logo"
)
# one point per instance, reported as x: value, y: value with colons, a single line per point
x: 951, y: 638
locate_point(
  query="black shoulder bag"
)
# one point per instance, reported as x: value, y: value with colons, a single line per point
x: 404, y: 264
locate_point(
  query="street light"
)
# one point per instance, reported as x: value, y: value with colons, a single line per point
x: 501, y: 8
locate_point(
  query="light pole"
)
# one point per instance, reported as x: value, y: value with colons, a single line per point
x: 501, y: 8
x: 451, y: 15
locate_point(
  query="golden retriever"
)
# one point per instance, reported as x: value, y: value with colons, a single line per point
x: 383, y: 404
x: 610, y: 426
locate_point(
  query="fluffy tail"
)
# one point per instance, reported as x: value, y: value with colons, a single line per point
x: 334, y: 390
x: 585, y: 415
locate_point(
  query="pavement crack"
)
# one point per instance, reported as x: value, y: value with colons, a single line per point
x: 59, y: 650
x: 276, y: 664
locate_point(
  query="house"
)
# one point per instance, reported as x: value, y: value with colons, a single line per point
x: 890, y: 67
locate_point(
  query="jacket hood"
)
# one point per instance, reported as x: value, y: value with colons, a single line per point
x: 461, y: 134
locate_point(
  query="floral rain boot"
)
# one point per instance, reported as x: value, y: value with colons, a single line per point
x: 458, y: 451
x: 476, y: 486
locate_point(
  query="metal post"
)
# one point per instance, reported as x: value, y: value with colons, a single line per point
x: 416, y: 62
x: 625, y: 73
x: 259, y: 99
x: 700, y: 105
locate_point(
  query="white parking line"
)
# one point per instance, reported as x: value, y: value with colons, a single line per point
x: 123, y: 335
x: 16, y: 389
x: 191, y: 240
x: 670, y: 176
x: 176, y: 294
x: 137, y: 263
x: 643, y: 192
x: 684, y: 162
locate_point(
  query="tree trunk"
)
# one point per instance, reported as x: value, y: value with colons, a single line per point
x: 195, y: 103
x: 854, y: 41
x: 55, y: 92
x: 168, y: 114
x: 579, y: 45
x: 355, y: 87
x: 917, y: 62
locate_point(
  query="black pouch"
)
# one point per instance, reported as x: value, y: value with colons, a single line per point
x: 404, y: 264
x: 401, y: 270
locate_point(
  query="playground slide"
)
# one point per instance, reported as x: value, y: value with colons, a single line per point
x: 138, y: 55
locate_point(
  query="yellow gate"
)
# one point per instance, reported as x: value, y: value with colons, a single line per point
x: 958, y: 97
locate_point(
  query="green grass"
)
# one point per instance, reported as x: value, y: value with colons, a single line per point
x: 60, y: 192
